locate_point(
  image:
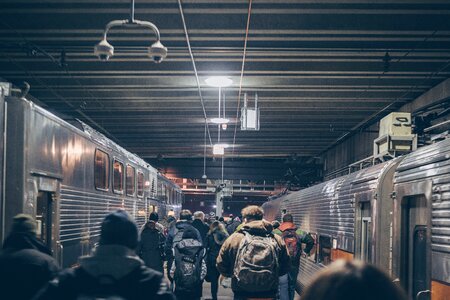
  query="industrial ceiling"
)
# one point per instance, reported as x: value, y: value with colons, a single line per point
x: 321, y: 68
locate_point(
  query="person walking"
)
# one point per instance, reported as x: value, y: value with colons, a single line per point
x: 151, y: 244
x: 253, y: 257
x: 189, y: 267
x: 293, y: 237
x: 199, y: 224
x: 26, y: 264
x: 113, y: 271
x: 175, y: 236
x: 214, y: 241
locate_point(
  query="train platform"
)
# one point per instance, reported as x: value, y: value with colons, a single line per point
x: 223, y: 294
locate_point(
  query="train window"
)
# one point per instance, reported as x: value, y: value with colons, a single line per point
x: 101, y: 170
x: 118, y: 177
x: 131, y: 184
x: 325, y: 250
x: 140, y: 184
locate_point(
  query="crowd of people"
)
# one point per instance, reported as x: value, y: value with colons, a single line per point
x: 261, y: 258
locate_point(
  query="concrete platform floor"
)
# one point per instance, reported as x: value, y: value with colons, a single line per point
x: 223, y: 294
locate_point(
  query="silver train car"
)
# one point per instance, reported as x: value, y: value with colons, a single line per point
x: 69, y: 178
x: 395, y: 215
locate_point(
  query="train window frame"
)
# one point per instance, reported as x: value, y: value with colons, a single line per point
x: 105, y: 171
x: 117, y: 191
x: 127, y: 180
x: 140, y: 194
x: 320, y: 256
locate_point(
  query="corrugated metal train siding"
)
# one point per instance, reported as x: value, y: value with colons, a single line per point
x: 81, y: 213
x: 432, y: 163
x: 329, y: 209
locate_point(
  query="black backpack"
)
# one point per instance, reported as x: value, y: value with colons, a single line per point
x: 256, y: 265
x: 188, y: 268
x: 154, y: 240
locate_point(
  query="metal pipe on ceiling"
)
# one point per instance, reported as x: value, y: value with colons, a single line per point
x: 242, y: 72
x: 195, y: 69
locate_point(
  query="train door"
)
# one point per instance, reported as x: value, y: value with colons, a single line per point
x: 413, y: 239
x: 47, y: 215
x: 363, y: 229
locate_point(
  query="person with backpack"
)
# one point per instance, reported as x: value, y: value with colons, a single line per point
x: 175, y: 235
x: 253, y: 257
x: 113, y: 271
x: 293, y: 237
x: 151, y: 245
x: 189, y: 267
x: 214, y: 240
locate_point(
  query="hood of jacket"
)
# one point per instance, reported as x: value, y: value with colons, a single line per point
x: 258, y: 227
x: 182, y: 224
x: 219, y: 236
x: 287, y: 225
x: 19, y: 241
x: 111, y: 260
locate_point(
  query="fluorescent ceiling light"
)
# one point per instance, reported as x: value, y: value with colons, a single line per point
x: 219, y: 120
x: 219, y: 81
x: 219, y: 149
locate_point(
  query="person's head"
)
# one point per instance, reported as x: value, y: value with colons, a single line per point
x: 216, y: 226
x: 221, y: 219
x: 199, y: 215
x: 288, y: 218
x: 23, y: 223
x: 352, y: 280
x: 186, y: 215
x: 252, y: 213
x: 275, y: 224
x: 154, y: 217
x: 119, y: 229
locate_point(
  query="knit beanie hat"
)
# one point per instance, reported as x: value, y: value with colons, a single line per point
x: 119, y: 229
x: 24, y: 224
x: 154, y: 217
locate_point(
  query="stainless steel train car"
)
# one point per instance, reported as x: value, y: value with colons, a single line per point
x: 69, y: 178
x: 395, y: 215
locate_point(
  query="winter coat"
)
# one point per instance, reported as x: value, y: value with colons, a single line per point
x: 228, y: 252
x: 202, y: 229
x: 113, y: 270
x: 215, y: 241
x: 25, y: 266
x: 151, y: 246
x: 191, y: 246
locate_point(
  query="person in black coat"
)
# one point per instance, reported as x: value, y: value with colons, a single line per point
x: 112, y: 271
x: 216, y: 236
x: 26, y: 264
x: 199, y: 224
x: 151, y: 245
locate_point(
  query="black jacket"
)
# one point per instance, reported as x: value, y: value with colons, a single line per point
x: 112, y: 271
x: 151, y: 246
x: 25, y: 266
x: 202, y: 229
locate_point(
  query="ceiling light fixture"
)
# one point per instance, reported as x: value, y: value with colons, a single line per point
x: 104, y: 50
x: 221, y: 120
x: 218, y: 81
